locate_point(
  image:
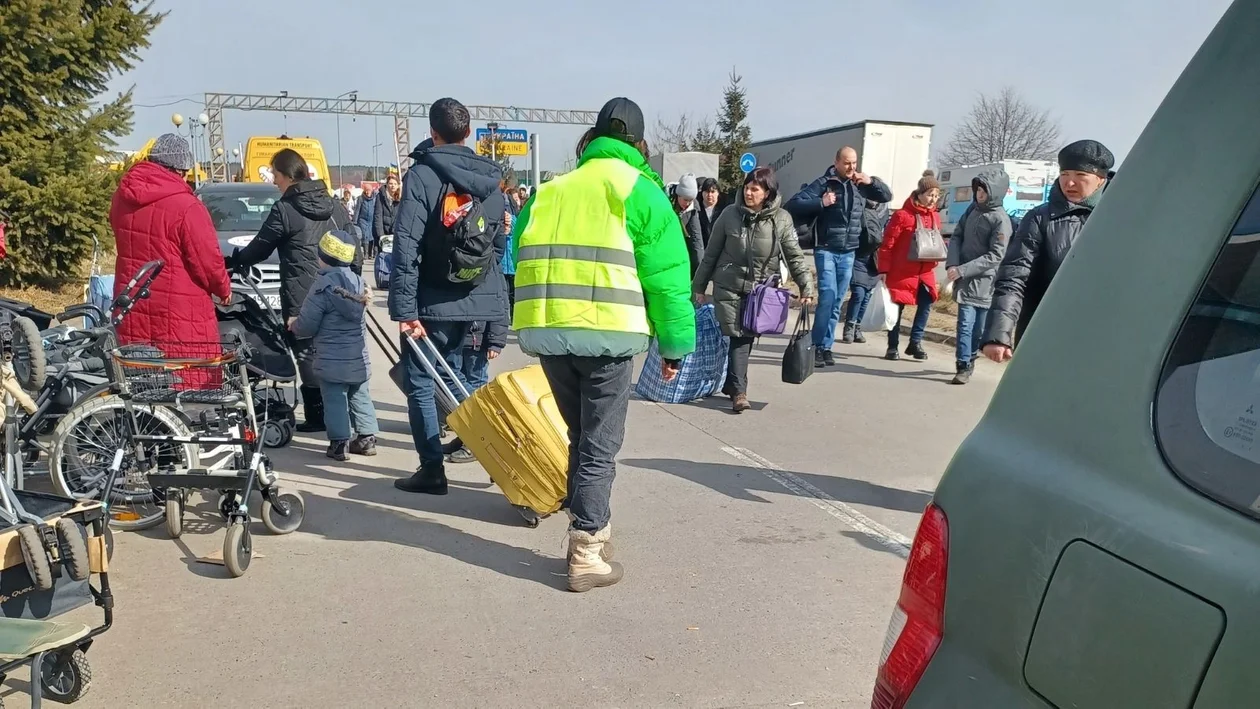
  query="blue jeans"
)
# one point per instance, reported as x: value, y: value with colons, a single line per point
x: 834, y: 273
x: 859, y: 298
x: 971, y: 324
x: 923, y: 308
x: 426, y: 429
x: 348, y: 409
x: 476, y: 368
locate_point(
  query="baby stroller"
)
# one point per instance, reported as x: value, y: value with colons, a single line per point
x: 271, y: 365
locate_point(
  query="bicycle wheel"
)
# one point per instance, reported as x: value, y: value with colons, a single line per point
x: 83, y: 449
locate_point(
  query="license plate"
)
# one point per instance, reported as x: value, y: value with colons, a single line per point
x: 271, y: 300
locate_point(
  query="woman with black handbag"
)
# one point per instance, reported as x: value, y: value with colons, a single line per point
x: 746, y: 246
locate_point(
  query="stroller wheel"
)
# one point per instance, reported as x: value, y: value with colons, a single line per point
x: 74, y: 551
x: 238, y: 549
x: 273, y: 434
x: 65, y: 676
x: 285, y: 516
x: 36, y: 558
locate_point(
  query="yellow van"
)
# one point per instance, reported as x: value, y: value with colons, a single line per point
x: 260, y: 150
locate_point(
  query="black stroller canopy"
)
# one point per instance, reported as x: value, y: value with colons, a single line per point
x: 271, y: 357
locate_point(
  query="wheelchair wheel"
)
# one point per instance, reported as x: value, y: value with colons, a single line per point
x: 174, y: 514
x: 286, y: 515
x: 83, y: 448
x: 74, y: 551
x: 30, y: 362
x: 238, y: 549
x: 66, y: 676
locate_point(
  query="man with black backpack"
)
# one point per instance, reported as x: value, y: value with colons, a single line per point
x: 448, y: 243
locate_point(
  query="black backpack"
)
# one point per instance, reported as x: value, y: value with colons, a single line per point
x: 461, y: 243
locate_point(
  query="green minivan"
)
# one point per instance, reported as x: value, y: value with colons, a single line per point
x: 1095, y: 542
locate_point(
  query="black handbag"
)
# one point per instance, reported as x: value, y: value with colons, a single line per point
x: 798, y: 358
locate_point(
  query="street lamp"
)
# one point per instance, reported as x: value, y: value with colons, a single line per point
x: 195, y: 132
x: 494, y: 147
x: 236, y: 155
x: 354, y: 97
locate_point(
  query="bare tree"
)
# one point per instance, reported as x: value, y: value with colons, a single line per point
x: 672, y: 137
x: 1003, y: 127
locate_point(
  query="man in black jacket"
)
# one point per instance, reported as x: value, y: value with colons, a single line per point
x: 834, y: 203
x: 305, y: 212
x: 1042, y: 244
x: 424, y: 304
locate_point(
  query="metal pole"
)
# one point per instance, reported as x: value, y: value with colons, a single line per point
x: 339, y: 163
x: 494, y: 144
x: 535, y: 171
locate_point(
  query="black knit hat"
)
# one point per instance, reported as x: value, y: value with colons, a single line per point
x: 622, y: 119
x: 1087, y: 156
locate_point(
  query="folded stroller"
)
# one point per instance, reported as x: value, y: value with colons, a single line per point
x: 271, y: 365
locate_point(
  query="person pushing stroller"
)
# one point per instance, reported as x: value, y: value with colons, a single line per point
x: 333, y: 314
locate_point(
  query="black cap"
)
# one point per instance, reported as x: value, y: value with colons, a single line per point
x: 1087, y: 156
x: 622, y: 119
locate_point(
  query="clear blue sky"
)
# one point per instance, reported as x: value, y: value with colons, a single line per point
x: 1101, y: 66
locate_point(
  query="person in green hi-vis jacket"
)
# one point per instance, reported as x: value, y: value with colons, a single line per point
x: 601, y: 268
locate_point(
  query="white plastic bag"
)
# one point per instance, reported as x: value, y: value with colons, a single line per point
x: 881, y: 312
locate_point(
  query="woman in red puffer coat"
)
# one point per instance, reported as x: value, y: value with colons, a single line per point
x: 154, y: 215
x: 910, y: 282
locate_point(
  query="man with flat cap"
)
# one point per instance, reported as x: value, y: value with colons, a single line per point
x: 1042, y: 243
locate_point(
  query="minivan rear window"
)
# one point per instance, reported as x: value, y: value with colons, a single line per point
x: 1207, y: 409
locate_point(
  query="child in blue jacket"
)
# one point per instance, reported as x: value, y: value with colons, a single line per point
x: 333, y: 314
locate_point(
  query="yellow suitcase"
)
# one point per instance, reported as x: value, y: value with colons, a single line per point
x: 513, y: 427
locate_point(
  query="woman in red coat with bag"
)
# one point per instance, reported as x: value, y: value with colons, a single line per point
x: 911, y: 282
x: 155, y: 215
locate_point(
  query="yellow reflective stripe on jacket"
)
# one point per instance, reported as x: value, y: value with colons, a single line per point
x: 575, y: 263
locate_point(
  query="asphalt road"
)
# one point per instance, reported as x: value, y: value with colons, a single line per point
x: 763, y: 553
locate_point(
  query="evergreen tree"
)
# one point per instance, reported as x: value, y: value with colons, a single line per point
x: 56, y: 57
x: 733, y: 134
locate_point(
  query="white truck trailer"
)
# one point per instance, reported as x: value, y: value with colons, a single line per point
x: 894, y: 151
x: 671, y: 166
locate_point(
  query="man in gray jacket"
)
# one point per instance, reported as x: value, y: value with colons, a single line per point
x: 975, y: 251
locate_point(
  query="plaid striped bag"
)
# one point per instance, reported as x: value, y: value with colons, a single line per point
x: 702, y: 372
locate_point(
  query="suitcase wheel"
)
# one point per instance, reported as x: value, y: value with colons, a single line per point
x: 531, y: 517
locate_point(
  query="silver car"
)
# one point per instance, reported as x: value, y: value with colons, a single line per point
x: 238, y: 210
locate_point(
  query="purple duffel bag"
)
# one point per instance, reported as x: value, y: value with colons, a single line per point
x: 765, y: 309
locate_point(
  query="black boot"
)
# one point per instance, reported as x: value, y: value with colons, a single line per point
x: 858, y: 337
x: 312, y: 410
x: 819, y: 360
x: 916, y: 350
x: 964, y: 373
x: 430, y: 479
x: 848, y: 337
x: 338, y: 450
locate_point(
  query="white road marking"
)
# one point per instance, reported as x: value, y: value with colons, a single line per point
x: 897, y: 543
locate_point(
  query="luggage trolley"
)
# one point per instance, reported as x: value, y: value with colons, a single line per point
x: 210, y: 380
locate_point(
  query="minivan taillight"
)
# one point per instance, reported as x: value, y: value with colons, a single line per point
x: 918, y: 621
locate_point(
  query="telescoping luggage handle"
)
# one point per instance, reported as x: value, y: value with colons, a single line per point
x: 445, y: 395
x: 394, y: 354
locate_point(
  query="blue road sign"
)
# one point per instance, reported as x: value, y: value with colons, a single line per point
x: 748, y: 162
x: 505, y: 135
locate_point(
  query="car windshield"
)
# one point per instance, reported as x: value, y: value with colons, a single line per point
x: 238, y: 210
